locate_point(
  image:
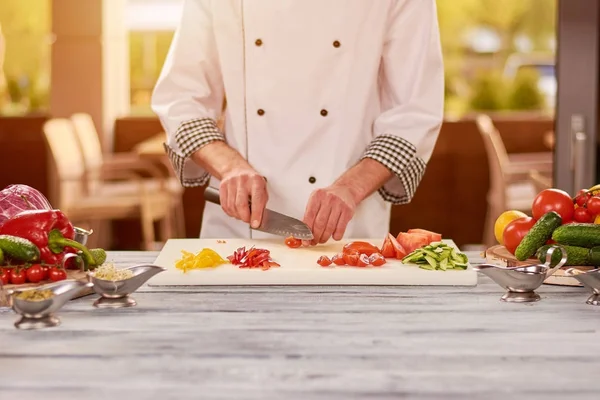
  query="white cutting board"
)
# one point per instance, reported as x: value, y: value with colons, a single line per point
x: 298, y: 267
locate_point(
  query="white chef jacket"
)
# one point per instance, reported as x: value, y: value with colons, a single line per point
x: 312, y: 87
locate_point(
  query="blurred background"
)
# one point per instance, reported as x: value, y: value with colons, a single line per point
x: 100, y: 59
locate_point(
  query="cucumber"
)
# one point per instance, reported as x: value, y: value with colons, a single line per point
x: 19, y: 248
x: 576, y: 256
x: 538, y: 235
x: 578, y: 234
x: 438, y: 256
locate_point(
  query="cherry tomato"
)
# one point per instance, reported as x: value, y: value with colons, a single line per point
x: 45, y: 272
x: 57, y: 274
x: 17, y: 277
x: 351, y: 259
x: 293, y: 242
x: 338, y: 259
x: 376, y: 260
x: 324, y: 261
x: 34, y: 273
x: 363, y: 260
x: 582, y: 198
x: 361, y: 247
x: 553, y: 200
x: 593, y: 205
x: 582, y: 214
x: 4, y: 276
x: 515, y: 231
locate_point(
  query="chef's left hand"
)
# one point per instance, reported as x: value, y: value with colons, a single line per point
x: 328, y: 212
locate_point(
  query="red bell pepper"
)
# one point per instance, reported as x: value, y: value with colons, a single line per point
x: 50, y: 230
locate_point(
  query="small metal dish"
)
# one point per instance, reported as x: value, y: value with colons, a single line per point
x: 116, y: 294
x: 41, y: 314
x: 590, y: 280
x: 81, y: 235
x: 521, y: 282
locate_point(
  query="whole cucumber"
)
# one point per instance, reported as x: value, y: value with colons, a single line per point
x: 578, y: 234
x: 19, y: 248
x: 538, y: 235
x: 576, y: 256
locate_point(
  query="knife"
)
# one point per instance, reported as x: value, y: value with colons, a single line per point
x: 272, y: 221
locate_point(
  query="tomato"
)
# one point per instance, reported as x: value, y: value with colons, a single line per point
x: 387, y: 248
x: 324, y: 261
x: 412, y: 241
x: 553, y: 200
x: 292, y: 242
x: 4, y: 276
x: 45, y: 272
x: 516, y: 231
x: 338, y: 259
x: 361, y: 247
x: 17, y: 277
x: 57, y: 274
x: 34, y: 273
x: 582, y: 214
x: 351, y: 259
x: 582, y: 197
x: 593, y: 205
x: 504, y: 219
x: 376, y: 260
x: 363, y: 260
x: 433, y: 236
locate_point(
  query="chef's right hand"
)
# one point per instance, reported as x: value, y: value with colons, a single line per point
x: 237, y: 188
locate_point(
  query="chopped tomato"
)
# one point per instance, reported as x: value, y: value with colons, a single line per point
x: 361, y: 247
x: 324, y: 261
x: 338, y: 259
x: 412, y: 241
x: 387, y: 248
x: 351, y: 259
x: 363, y: 260
x: 433, y: 236
x: 398, y: 248
x: 292, y: 242
x: 376, y: 260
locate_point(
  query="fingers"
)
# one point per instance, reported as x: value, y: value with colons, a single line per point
x: 342, y: 224
x: 312, y: 208
x: 332, y: 223
x: 259, y: 199
x: 242, y: 207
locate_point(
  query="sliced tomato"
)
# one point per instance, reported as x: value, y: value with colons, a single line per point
x: 387, y: 248
x: 338, y: 259
x: 433, y: 236
x: 324, y: 261
x: 292, y: 242
x: 363, y: 260
x: 412, y: 241
x: 399, y: 249
x: 362, y: 247
x: 351, y: 259
x: 376, y: 260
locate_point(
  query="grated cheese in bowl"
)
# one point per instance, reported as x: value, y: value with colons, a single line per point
x: 109, y: 272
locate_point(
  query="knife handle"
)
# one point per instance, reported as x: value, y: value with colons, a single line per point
x: 211, y: 194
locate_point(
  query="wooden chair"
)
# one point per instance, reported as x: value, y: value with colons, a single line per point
x: 511, y: 187
x: 82, y: 203
x: 97, y: 163
x: 540, y: 181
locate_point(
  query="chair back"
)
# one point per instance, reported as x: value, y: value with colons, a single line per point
x: 497, y: 159
x: 91, y: 149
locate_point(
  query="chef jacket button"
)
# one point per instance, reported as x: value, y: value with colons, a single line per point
x: 336, y: 44
x: 258, y: 42
x: 312, y: 179
x: 324, y: 113
x: 260, y: 111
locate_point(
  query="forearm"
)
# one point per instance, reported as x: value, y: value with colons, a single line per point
x: 219, y: 159
x: 365, y: 178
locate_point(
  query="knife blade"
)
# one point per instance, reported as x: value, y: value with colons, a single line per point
x: 272, y: 222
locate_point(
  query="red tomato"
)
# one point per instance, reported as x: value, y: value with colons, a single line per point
x: 351, y: 259
x: 582, y: 198
x: 515, y: 231
x: 399, y: 249
x: 376, y: 260
x: 34, y: 273
x: 593, y: 205
x: 17, y: 277
x: 57, y: 274
x: 45, y: 272
x: 4, y: 276
x: 363, y: 260
x: 338, y: 259
x: 412, y: 241
x: 361, y: 247
x: 324, y: 261
x: 387, y: 248
x: 293, y: 242
x: 583, y: 215
x: 553, y: 200
x: 433, y: 236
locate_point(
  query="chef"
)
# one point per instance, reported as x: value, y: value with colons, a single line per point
x: 333, y: 110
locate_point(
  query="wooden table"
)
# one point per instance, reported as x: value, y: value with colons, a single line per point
x: 310, y: 343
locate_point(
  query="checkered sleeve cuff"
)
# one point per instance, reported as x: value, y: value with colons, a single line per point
x: 400, y: 157
x: 191, y: 136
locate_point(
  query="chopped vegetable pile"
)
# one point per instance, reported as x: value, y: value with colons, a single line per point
x: 206, y: 258
x: 109, y: 272
x: 252, y: 258
x: 35, y: 295
x: 437, y: 256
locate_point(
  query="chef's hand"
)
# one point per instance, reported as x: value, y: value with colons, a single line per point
x: 237, y: 188
x: 328, y: 212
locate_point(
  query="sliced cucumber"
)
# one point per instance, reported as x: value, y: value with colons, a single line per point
x: 437, y: 256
